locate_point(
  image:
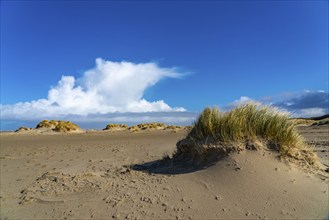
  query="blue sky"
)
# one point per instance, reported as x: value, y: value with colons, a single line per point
x: 190, y: 54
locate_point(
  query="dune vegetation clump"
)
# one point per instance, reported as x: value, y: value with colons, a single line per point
x: 249, y: 126
x: 58, y: 126
x: 116, y: 127
x: 302, y: 121
x: 134, y: 128
x: 154, y: 125
x: 148, y: 126
x: 172, y: 127
x: 22, y: 129
x: 66, y: 126
x: 47, y: 124
x: 321, y: 122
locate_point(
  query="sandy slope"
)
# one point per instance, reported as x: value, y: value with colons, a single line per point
x: 84, y: 176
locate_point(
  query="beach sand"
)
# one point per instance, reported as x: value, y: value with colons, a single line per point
x: 89, y: 176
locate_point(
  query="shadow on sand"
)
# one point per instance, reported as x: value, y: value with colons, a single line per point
x: 177, y: 165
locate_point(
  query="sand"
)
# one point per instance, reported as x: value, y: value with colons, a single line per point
x: 90, y: 176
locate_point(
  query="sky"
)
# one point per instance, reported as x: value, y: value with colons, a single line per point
x: 96, y: 62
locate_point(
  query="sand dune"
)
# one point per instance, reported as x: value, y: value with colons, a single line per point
x: 95, y: 175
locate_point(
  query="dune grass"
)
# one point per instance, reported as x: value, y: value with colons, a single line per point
x: 234, y: 130
x: 116, y: 127
x: 66, y: 126
x: 23, y: 129
x: 154, y: 125
x: 321, y: 122
x: 58, y: 125
x: 47, y: 124
x: 301, y: 121
x: 147, y: 126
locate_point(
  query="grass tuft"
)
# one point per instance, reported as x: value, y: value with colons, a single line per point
x: 248, y: 126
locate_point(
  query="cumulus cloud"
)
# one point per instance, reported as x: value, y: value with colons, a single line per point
x: 241, y: 101
x: 301, y: 104
x: 310, y: 112
x: 107, y: 88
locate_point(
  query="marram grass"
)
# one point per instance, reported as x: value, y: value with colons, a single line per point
x: 115, y: 126
x: 236, y: 129
x: 66, y: 126
x: 58, y: 125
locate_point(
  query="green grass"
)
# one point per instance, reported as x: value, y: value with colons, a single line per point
x: 243, y: 126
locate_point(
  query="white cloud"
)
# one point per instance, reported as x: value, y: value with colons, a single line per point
x: 109, y: 87
x: 241, y: 101
x: 310, y: 112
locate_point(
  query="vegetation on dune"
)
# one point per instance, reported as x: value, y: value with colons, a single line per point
x: 321, y: 122
x: 146, y: 126
x: 153, y: 126
x: 66, y: 126
x: 301, y: 121
x: 20, y: 129
x: 248, y: 126
x: 116, y: 127
x: 173, y: 127
x: 58, y: 126
x: 47, y: 124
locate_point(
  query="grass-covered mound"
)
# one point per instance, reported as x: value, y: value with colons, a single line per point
x: 250, y: 126
x: 22, y: 129
x: 47, y: 124
x: 302, y: 121
x: 59, y: 126
x: 154, y: 126
x: 321, y: 122
x: 66, y: 126
x: 115, y: 127
x: 148, y: 126
x: 173, y: 127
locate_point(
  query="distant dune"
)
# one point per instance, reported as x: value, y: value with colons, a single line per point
x: 321, y: 120
x: 46, y: 126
